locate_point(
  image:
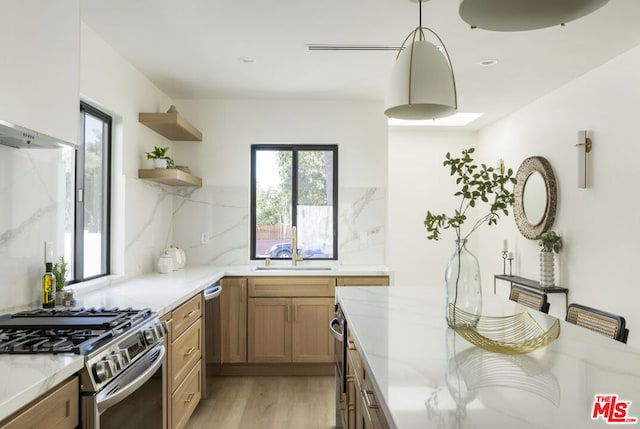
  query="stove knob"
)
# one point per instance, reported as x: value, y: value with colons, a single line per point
x: 102, y: 371
x: 124, y: 356
x: 161, y: 329
x: 150, y: 336
x: 116, y: 362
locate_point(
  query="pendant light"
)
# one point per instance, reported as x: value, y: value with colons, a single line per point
x: 422, y: 84
x: 521, y: 15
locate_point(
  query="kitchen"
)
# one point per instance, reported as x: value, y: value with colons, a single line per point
x: 383, y: 197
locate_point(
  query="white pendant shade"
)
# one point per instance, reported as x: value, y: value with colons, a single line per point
x: 422, y: 84
x: 521, y: 15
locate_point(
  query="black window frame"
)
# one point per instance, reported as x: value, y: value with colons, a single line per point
x: 294, y: 148
x: 79, y: 199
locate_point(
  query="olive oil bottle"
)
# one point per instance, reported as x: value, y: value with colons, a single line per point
x: 48, y: 287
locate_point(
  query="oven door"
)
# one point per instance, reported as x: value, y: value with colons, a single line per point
x: 134, y: 399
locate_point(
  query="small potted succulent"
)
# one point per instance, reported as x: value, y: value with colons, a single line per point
x: 160, y: 158
x: 551, y: 243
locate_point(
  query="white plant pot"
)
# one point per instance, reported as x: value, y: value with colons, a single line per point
x: 547, y: 273
x: 160, y: 163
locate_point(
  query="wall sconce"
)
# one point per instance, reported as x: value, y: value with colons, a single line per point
x: 584, y: 147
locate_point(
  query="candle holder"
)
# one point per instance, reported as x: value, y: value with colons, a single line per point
x: 504, y: 262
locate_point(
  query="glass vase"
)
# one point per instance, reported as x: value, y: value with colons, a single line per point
x: 462, y: 279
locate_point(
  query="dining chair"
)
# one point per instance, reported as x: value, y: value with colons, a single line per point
x: 611, y: 325
x: 530, y: 298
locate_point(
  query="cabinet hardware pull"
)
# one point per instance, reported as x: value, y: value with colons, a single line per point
x: 188, y: 352
x: 189, y: 398
x: 189, y: 314
x: 370, y: 399
x: 351, y: 344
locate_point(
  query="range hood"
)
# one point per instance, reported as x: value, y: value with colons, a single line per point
x: 23, y: 138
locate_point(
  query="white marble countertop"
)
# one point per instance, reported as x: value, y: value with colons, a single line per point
x: 427, y: 376
x: 25, y: 377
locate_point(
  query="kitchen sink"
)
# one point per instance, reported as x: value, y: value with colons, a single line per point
x: 291, y: 268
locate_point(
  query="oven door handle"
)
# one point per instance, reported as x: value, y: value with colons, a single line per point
x: 338, y: 335
x: 134, y: 377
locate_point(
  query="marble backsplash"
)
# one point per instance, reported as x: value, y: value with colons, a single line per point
x: 210, y: 223
x: 32, y: 191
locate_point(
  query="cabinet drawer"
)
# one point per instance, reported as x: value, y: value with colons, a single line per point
x: 58, y: 409
x: 292, y: 286
x: 186, y: 397
x: 363, y: 281
x: 185, y: 350
x: 184, y: 315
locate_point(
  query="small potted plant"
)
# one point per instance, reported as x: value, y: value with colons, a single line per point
x: 160, y: 158
x: 59, y: 270
x: 551, y: 243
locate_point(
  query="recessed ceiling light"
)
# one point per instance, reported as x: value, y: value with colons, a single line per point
x: 488, y: 62
x: 247, y: 60
x: 455, y: 120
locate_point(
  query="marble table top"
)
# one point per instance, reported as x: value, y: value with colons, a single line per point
x: 425, y: 375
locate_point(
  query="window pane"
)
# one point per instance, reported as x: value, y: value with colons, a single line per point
x: 95, y: 135
x: 273, y: 173
x: 315, y: 204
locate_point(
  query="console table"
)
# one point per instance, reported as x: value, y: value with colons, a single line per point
x: 532, y: 284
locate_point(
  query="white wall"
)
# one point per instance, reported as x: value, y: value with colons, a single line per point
x: 141, y: 211
x: 222, y: 159
x: 599, y: 225
x: 418, y: 182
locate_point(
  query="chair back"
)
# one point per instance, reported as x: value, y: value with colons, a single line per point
x: 611, y: 325
x: 530, y: 298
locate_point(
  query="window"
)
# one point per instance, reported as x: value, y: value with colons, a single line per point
x: 294, y: 185
x: 88, y: 195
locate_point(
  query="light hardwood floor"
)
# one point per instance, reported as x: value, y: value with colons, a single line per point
x: 296, y: 402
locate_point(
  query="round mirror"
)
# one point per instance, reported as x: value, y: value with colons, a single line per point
x: 535, y: 195
x: 534, y: 198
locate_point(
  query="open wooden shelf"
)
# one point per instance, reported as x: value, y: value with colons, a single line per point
x: 170, y: 176
x: 170, y: 125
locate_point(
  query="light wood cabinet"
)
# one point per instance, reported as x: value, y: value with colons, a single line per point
x: 269, y: 330
x: 186, y: 397
x: 287, y: 319
x: 233, y: 304
x: 363, y: 281
x: 311, y: 340
x: 183, y: 361
x: 364, y: 411
x: 57, y: 409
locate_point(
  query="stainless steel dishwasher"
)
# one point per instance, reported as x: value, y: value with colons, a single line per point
x: 211, y: 334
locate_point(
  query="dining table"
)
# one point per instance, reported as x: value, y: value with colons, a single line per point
x: 425, y: 375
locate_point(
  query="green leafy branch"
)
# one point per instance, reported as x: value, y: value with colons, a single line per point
x: 478, y: 183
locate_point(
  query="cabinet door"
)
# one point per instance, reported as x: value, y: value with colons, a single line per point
x: 234, y: 320
x: 312, y: 341
x: 269, y: 330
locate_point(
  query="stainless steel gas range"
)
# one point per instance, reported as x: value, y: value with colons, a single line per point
x: 123, y: 350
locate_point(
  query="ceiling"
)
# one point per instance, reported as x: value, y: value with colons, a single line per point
x: 193, y: 49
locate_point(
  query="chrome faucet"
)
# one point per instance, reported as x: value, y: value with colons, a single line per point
x: 294, y: 247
